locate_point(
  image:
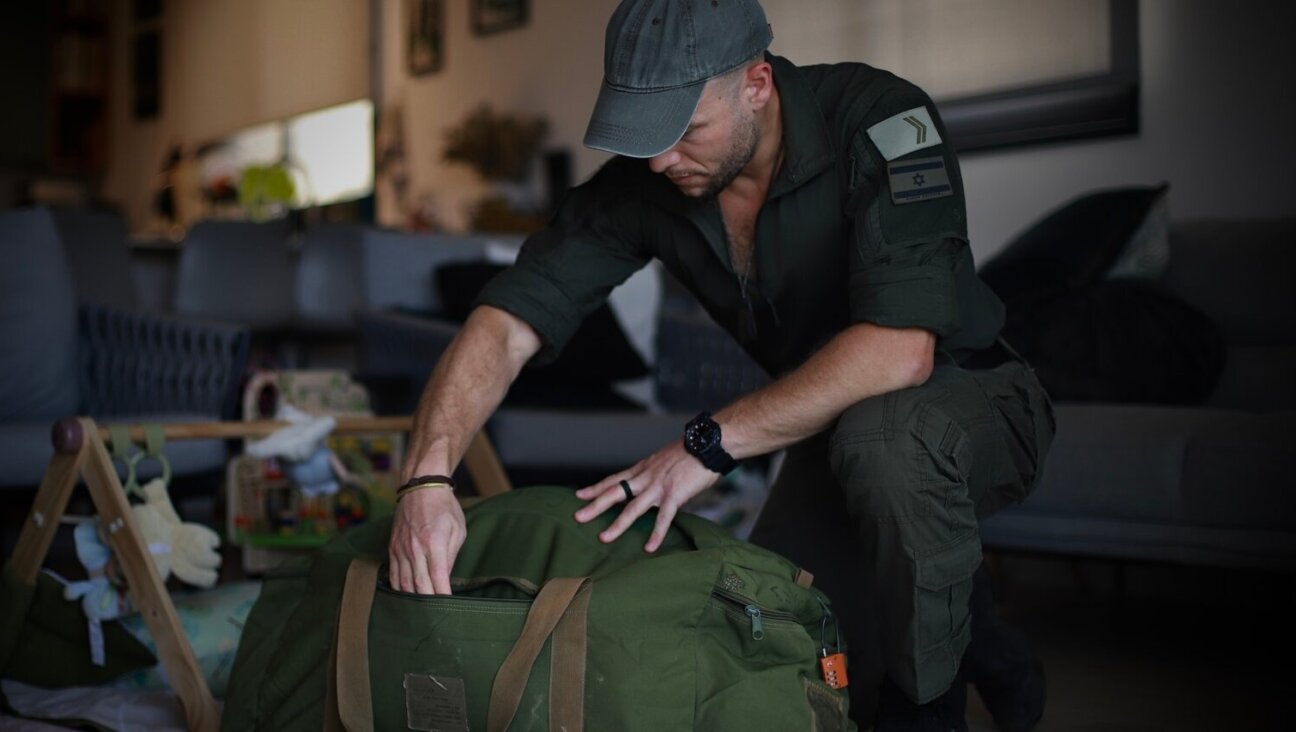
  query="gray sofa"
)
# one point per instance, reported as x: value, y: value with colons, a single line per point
x: 75, y: 347
x: 1206, y: 484
x: 1210, y: 484
x: 696, y: 365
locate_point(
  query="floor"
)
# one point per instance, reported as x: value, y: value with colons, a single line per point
x: 1152, y: 647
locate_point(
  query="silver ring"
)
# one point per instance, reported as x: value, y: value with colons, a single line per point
x: 625, y: 486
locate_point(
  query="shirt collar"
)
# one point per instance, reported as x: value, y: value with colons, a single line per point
x: 807, y: 149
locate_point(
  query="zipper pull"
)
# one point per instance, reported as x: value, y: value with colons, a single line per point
x: 758, y: 630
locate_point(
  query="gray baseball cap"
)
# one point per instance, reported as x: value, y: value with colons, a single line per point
x: 657, y: 57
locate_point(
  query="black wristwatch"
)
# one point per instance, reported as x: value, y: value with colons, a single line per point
x: 702, y: 440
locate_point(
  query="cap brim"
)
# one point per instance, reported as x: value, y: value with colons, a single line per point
x: 641, y: 124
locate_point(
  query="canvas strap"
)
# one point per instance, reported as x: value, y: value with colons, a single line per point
x: 350, y: 694
x: 566, y: 690
x: 559, y: 610
x: 567, y: 666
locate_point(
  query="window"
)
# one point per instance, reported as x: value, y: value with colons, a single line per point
x: 328, y: 153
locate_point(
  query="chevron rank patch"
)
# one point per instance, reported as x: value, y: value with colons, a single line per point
x: 919, y: 180
x: 904, y: 133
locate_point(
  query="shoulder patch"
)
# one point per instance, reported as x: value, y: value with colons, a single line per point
x: 919, y: 180
x: 904, y: 133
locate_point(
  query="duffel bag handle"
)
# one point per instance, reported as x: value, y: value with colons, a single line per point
x: 350, y: 700
x: 559, y: 610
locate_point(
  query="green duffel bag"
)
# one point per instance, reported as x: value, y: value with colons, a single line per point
x: 548, y: 628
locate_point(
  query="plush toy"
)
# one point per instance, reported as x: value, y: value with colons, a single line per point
x: 193, y: 557
x: 300, y: 447
x: 186, y: 549
x: 100, y: 598
x: 155, y: 530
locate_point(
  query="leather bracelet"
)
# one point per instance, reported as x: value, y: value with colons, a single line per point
x: 406, y: 489
x: 427, y: 479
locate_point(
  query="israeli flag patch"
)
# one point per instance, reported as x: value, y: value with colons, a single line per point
x: 904, y: 133
x: 919, y: 180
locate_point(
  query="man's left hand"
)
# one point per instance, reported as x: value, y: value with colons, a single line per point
x: 667, y: 479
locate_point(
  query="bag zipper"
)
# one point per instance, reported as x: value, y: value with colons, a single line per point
x: 754, y: 612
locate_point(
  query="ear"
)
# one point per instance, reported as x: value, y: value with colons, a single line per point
x: 758, y: 86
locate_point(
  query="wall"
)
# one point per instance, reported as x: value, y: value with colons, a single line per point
x: 1217, y: 118
x: 226, y: 66
x: 553, y: 66
x: 1216, y: 124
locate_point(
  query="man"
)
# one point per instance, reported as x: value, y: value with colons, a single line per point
x: 817, y: 213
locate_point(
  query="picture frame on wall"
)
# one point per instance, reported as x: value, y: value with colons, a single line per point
x: 425, y: 52
x: 497, y: 16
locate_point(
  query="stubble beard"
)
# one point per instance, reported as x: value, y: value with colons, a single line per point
x: 742, y: 148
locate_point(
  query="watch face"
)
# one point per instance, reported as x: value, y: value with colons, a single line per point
x: 701, y: 435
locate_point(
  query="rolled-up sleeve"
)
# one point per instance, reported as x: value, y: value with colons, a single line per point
x: 566, y: 271
x: 904, y: 255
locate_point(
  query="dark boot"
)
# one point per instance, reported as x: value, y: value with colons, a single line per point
x: 999, y: 661
x: 945, y: 713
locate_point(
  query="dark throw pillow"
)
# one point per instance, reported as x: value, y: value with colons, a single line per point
x: 1073, y: 248
x: 1121, y: 341
x: 581, y: 377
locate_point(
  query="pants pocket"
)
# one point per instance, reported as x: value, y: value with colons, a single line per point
x: 1026, y: 424
x: 942, y: 622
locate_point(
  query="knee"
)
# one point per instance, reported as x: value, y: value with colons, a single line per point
x: 896, y: 456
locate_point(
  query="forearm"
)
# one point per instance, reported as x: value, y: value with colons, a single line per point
x: 860, y: 362
x: 467, y: 385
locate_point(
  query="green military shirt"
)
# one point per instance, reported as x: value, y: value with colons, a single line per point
x: 849, y: 232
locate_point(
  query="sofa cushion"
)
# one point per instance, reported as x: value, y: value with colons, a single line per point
x: 1084, y: 305
x: 1239, y: 273
x: 238, y: 271
x: 1122, y: 341
x: 598, y: 354
x: 1152, y: 541
x: 396, y: 268
x: 327, y: 287
x: 1117, y: 461
x: 98, y: 256
x: 38, y: 321
x: 1257, y: 379
x: 1160, y: 482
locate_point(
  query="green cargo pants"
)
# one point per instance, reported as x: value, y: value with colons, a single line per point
x: 883, y: 509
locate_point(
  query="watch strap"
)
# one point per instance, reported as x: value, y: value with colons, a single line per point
x: 718, y: 460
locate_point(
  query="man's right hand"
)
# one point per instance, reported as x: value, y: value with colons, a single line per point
x: 427, y: 533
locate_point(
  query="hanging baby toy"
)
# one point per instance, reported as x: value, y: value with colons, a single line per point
x: 187, y: 550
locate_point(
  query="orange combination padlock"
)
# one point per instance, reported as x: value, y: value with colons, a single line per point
x: 833, y: 666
